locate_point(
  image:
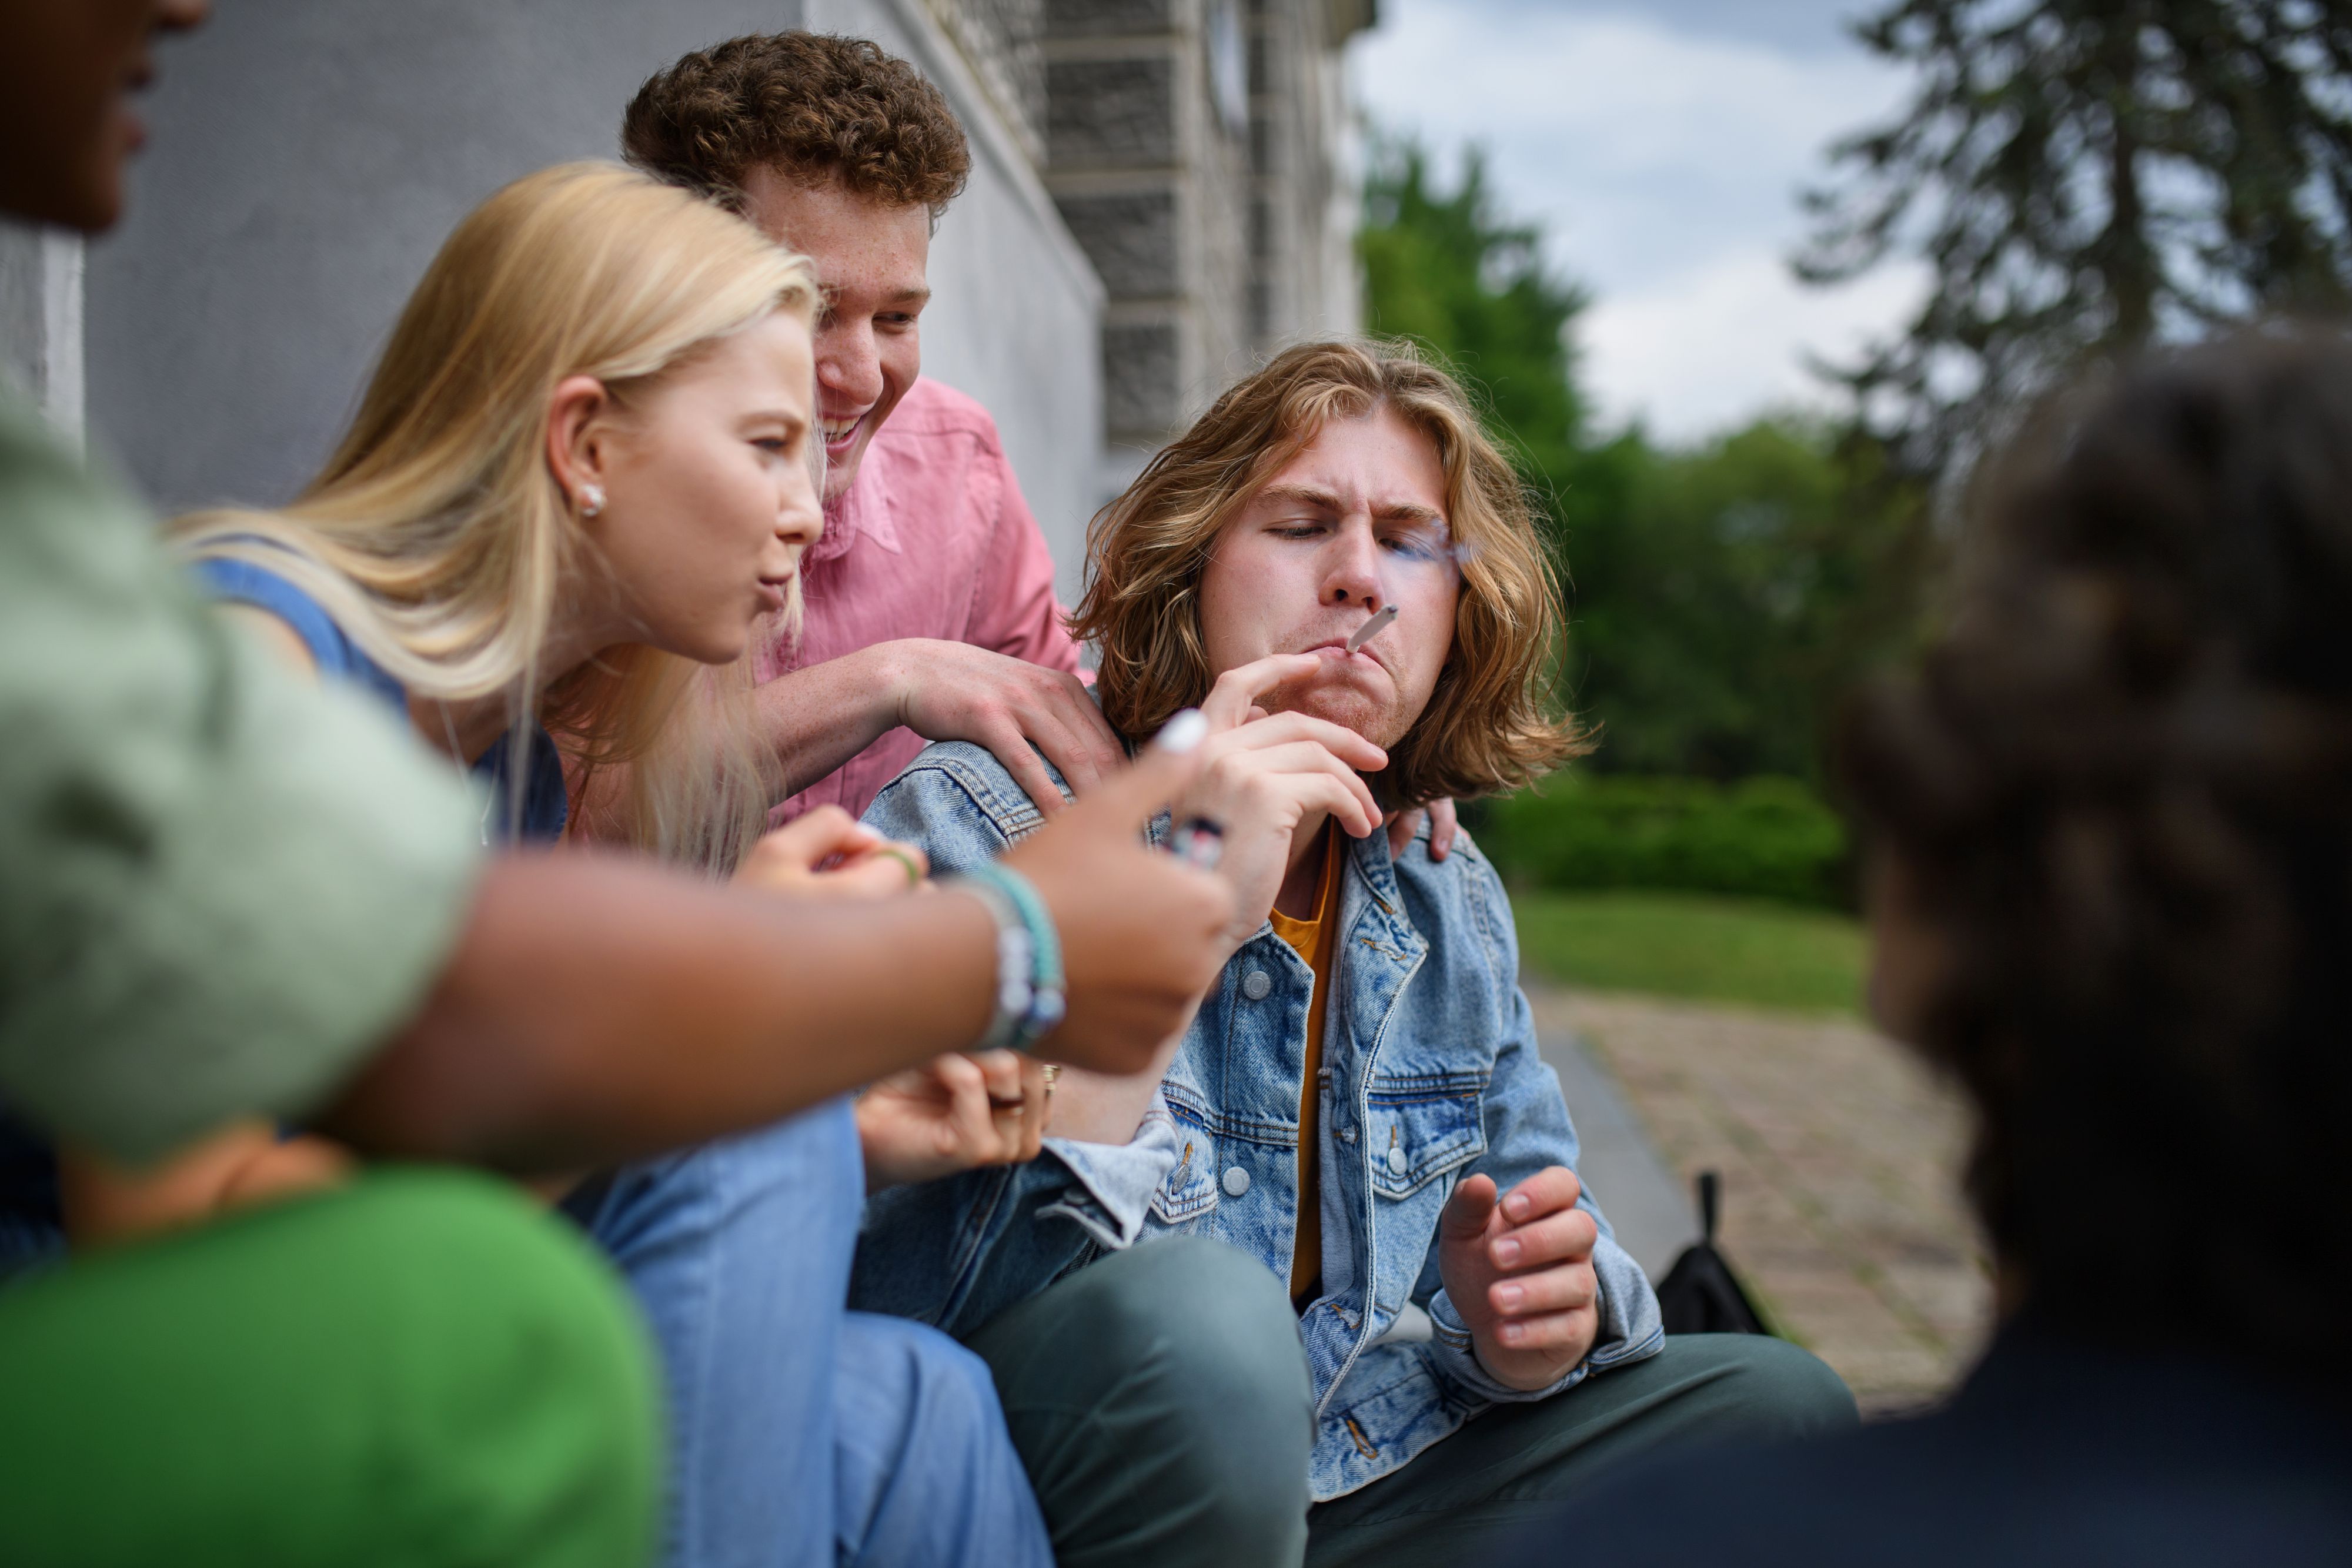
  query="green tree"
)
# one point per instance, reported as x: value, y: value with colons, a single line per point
x: 1718, y: 598
x: 1452, y: 272
x: 1742, y: 586
x: 2081, y: 177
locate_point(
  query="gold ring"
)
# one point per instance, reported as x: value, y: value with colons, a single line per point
x: 914, y: 874
x: 1051, y: 1070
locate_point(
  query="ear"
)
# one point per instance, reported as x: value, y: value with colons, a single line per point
x: 577, y: 434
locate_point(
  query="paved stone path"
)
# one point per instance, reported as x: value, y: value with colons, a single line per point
x: 1839, y: 1160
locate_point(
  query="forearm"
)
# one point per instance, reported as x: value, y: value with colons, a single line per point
x: 1107, y: 1107
x: 596, y: 1010
x: 817, y: 718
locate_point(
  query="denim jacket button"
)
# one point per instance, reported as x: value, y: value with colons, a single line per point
x: 1256, y: 984
x: 1236, y: 1181
x: 1396, y: 1161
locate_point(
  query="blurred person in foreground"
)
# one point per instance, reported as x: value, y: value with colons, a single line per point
x: 1357, y: 1126
x: 2109, y: 830
x: 230, y: 894
x: 929, y: 596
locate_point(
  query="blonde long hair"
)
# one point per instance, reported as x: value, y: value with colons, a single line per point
x: 437, y: 538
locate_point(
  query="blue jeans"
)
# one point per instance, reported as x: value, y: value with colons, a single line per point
x: 803, y: 1433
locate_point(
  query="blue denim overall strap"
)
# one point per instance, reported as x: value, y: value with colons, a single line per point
x: 537, y: 816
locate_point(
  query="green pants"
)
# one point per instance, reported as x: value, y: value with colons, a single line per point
x: 422, y: 1369
x: 1510, y: 1467
x: 1160, y: 1401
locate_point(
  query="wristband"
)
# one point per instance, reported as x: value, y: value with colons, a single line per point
x: 1029, y: 1000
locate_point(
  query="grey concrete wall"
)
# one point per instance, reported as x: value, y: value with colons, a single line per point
x: 308, y: 159
x: 41, y: 321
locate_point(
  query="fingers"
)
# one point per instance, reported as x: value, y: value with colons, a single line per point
x: 1127, y: 803
x: 1015, y: 1093
x: 967, y: 1132
x: 1060, y: 717
x: 1551, y: 1189
x: 1229, y: 700
x: 1402, y: 825
x: 1288, y: 728
x: 1561, y: 1238
x: 1009, y: 745
x: 1469, y: 1209
x: 1562, y: 1289
x: 1074, y: 738
x: 1303, y: 771
x: 1444, y: 823
x: 1092, y: 731
x: 1553, y: 1331
x: 801, y: 845
x: 1035, y: 1107
x: 883, y: 871
x: 1342, y: 795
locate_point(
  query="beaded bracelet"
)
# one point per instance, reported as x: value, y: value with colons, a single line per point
x: 1029, y: 1000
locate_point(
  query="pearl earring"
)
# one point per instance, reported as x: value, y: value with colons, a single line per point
x: 591, y: 499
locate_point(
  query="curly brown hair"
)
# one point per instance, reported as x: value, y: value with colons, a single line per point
x: 2117, y: 800
x: 817, y: 107
x: 1490, y: 723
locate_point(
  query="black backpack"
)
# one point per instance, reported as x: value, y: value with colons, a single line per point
x: 1700, y: 1294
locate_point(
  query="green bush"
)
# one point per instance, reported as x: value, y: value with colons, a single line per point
x: 1765, y: 837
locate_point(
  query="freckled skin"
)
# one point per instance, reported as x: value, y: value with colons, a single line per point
x: 1344, y: 529
x: 871, y: 259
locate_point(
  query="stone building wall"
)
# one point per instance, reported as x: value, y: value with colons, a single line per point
x: 1200, y: 152
x: 1000, y: 40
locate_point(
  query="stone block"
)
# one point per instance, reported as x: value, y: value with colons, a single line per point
x: 1131, y: 239
x: 1142, y: 378
x: 1108, y: 18
x: 1111, y: 113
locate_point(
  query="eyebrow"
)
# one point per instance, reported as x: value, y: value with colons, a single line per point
x: 1324, y: 500
x: 921, y: 296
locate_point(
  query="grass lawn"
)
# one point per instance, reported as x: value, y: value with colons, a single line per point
x: 1694, y: 946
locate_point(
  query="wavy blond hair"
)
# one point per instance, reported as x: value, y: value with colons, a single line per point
x: 438, y: 536
x: 1490, y: 723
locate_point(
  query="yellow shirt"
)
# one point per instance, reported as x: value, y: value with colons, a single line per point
x: 1311, y: 940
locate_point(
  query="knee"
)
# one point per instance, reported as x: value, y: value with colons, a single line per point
x: 901, y: 1374
x: 1197, y: 1342
x: 1190, y: 1314
x: 1774, y: 1389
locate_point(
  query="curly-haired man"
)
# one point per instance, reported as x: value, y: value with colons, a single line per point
x: 929, y: 597
x: 1358, y: 1115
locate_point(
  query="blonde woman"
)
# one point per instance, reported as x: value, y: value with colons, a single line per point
x: 582, y: 472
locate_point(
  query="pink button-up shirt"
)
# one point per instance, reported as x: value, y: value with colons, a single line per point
x: 933, y: 539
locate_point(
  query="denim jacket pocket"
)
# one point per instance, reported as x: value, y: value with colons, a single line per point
x: 1190, y: 1190
x: 1422, y: 1128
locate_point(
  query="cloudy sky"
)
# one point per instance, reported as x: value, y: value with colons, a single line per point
x: 1662, y: 142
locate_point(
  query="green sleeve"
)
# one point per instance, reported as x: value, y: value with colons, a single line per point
x: 220, y: 887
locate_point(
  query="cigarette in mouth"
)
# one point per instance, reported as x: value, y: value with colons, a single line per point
x: 1372, y: 628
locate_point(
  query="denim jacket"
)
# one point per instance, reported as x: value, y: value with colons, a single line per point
x: 1429, y: 1074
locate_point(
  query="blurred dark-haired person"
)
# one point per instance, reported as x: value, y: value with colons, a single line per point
x: 1358, y: 1115
x: 929, y: 597
x: 2109, y: 826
